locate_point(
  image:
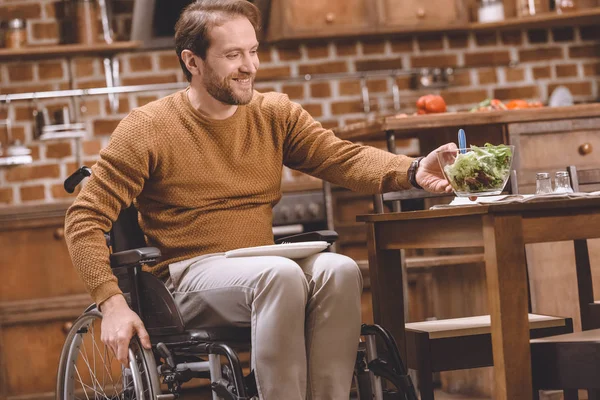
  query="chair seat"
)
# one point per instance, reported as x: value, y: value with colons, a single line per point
x: 477, y: 325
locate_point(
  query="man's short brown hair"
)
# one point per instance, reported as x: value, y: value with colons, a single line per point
x: 194, y: 25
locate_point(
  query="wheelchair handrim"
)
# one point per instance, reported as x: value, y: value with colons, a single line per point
x: 142, y: 367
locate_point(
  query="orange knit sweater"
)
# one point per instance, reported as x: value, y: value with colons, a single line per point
x: 205, y: 186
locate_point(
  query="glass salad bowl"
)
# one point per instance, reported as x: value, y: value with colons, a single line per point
x: 477, y: 171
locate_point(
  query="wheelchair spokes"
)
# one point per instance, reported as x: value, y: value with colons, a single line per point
x: 88, y: 369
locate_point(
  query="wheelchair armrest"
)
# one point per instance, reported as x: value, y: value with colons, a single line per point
x: 327, y: 236
x: 130, y: 258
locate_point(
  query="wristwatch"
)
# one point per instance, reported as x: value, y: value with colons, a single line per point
x: 412, y: 172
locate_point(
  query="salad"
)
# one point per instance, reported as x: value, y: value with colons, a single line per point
x: 481, y: 169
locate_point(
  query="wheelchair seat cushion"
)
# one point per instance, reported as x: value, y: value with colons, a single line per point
x: 236, y: 337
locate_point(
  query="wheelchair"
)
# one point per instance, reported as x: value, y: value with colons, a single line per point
x: 88, y: 369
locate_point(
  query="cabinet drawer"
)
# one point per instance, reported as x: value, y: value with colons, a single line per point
x: 417, y: 12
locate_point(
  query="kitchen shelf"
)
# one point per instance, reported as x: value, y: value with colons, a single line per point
x: 55, y: 51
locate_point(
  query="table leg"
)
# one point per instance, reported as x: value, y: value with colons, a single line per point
x: 387, y: 291
x: 507, y: 293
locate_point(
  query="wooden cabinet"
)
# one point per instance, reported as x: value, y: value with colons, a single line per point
x: 417, y: 12
x: 40, y: 295
x: 301, y: 18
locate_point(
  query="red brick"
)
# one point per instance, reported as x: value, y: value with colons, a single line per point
x: 289, y: 52
x: 265, y: 88
x: 315, y: 110
x: 402, y: 44
x: 434, y: 61
x: 18, y: 133
x: 6, y: 195
x: 105, y: 126
x: 31, y: 172
x: 145, y: 99
x: 35, y: 150
x: 404, y: 82
x: 20, y: 72
x: 44, y: 30
x: 431, y: 42
x: 567, y: 70
x: 324, y: 68
x: 590, y: 32
x: 264, y: 54
x: 348, y: 88
x: 517, y: 92
x: 140, y: 62
x: 541, y: 72
x: 26, y: 11
x: 464, y: 96
x: 588, y: 51
x: 96, y: 83
x: 458, y: 40
x: 536, y: 36
x: 347, y: 107
x: 373, y: 46
x: 84, y: 67
x: 328, y: 125
x: 320, y: 90
x: 591, y: 69
x: 23, y: 113
x: 50, y: 9
x: 51, y: 70
x: 515, y: 74
x: 58, y: 150
x: 487, y: 75
x: 486, y: 38
x: 31, y: 193
x: 28, y: 88
x: 273, y: 72
x: 294, y: 91
x: 377, y: 86
x: 59, y: 192
x: 345, y: 47
x: 541, y: 54
x: 487, y: 58
x: 315, y: 50
x: 91, y: 147
x: 576, y: 88
x: 514, y: 38
x: 91, y: 107
x: 563, y: 34
x: 148, y: 80
x: 378, y: 64
x: 461, y: 78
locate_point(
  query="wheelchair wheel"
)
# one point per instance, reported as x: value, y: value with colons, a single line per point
x: 89, y: 370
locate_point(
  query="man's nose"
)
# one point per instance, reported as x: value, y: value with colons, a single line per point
x: 248, y: 66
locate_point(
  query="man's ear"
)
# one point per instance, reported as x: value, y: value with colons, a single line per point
x: 192, y: 62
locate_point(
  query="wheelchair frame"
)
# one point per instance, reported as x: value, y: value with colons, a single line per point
x: 181, y: 350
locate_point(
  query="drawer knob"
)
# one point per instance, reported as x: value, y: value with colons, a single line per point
x: 329, y: 17
x: 67, y: 327
x: 585, y: 149
x: 59, y: 234
x: 421, y: 12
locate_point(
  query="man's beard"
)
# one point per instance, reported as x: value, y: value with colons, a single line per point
x: 221, y: 89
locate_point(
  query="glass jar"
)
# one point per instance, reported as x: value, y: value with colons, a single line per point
x: 529, y: 7
x: 562, y: 183
x: 86, y: 21
x: 563, y: 6
x: 15, y: 36
x: 543, y: 183
x: 490, y: 11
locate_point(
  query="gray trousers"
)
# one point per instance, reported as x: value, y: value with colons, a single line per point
x: 304, y: 316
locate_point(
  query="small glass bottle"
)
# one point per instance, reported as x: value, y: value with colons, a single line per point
x: 529, y: 7
x: 543, y: 184
x: 15, y: 36
x: 562, y: 184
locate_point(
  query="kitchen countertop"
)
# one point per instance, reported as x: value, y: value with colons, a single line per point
x: 410, y: 126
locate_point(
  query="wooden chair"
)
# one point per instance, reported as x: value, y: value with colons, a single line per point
x: 585, y: 180
x: 457, y: 343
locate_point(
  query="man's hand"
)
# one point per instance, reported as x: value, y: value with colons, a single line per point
x: 430, y: 175
x: 119, y: 324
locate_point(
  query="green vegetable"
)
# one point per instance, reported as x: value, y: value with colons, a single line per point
x: 481, y: 169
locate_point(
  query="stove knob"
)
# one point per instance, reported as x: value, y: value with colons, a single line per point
x: 285, y: 213
x: 314, y: 210
x: 300, y: 212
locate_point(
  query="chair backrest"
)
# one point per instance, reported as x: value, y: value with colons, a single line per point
x: 584, y: 180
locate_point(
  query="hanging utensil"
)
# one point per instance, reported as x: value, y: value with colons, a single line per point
x: 462, y: 141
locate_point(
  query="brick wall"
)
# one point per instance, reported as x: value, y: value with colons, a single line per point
x: 545, y: 59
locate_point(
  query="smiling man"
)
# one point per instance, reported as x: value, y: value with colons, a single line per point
x: 203, y: 166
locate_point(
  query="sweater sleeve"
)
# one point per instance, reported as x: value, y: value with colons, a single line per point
x: 318, y: 152
x: 117, y: 178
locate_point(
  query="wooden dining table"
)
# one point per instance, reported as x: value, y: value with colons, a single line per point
x: 502, y: 230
